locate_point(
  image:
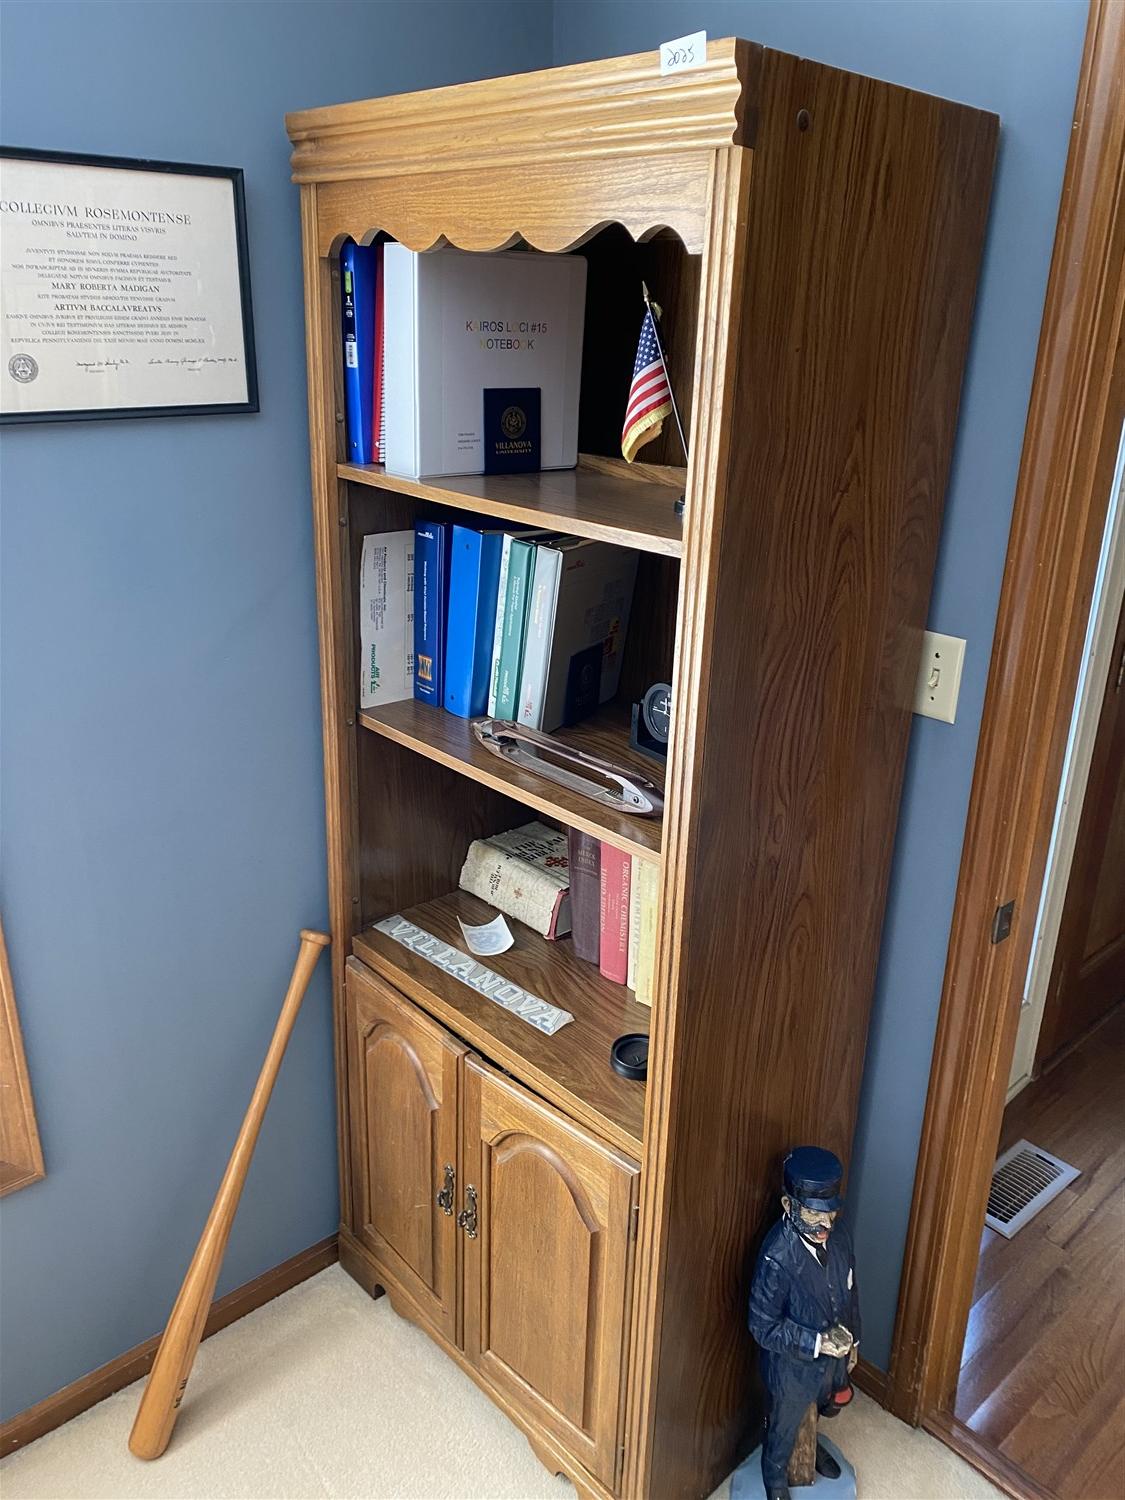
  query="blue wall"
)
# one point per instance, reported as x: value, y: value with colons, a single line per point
x: 162, y: 803
x: 1020, y: 59
x: 163, y: 829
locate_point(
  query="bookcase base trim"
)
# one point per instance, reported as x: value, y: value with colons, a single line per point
x: 363, y: 1267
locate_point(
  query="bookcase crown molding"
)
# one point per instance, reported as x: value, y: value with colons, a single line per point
x: 624, y: 107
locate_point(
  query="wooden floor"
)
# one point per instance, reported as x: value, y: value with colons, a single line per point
x: 1043, y: 1373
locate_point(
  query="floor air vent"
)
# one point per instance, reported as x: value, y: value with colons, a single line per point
x: 1025, y: 1179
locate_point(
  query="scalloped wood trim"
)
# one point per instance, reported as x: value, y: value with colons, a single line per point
x: 556, y: 208
x: 619, y: 107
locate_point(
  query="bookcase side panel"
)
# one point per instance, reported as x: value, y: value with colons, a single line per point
x: 866, y: 220
x: 330, y: 538
x: 722, y: 282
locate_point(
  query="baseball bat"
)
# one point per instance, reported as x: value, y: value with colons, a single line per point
x: 160, y: 1403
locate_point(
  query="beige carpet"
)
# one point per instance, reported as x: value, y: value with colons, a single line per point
x: 326, y: 1393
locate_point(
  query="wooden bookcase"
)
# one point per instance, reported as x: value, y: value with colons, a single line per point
x: 578, y: 1243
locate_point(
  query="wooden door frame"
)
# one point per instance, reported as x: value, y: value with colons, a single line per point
x: 1062, y: 496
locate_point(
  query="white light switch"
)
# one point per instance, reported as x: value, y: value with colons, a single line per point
x: 939, y: 676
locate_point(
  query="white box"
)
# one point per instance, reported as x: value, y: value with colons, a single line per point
x: 456, y: 323
x: 386, y: 618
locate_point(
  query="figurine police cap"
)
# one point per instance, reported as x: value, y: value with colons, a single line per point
x: 813, y: 1176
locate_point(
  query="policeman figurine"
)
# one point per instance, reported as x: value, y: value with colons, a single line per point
x: 804, y: 1312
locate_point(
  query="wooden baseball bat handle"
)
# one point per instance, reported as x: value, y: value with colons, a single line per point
x: 160, y: 1403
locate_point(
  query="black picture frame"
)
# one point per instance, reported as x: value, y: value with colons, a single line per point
x: 187, y: 169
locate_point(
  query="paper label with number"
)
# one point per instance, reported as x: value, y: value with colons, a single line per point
x: 684, y: 52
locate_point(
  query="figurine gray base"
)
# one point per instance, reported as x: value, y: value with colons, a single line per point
x: 746, y: 1481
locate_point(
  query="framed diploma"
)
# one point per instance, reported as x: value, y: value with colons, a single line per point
x: 124, y: 289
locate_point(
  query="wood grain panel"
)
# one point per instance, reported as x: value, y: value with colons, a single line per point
x: 541, y: 1280
x: 357, y: 1260
x: 404, y: 1113
x: 334, y: 629
x: 861, y: 269
x: 1041, y: 1377
x: 600, y: 499
x: 622, y: 108
x: 448, y: 740
x: 417, y: 819
x: 558, y: 207
x: 570, y: 1068
x: 547, y: 1283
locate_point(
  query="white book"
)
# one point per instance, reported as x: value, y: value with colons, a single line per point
x: 541, y: 627
x: 525, y: 872
x: 498, y: 629
x: 386, y: 618
x: 457, y: 323
x: 634, y: 919
x: 595, y: 595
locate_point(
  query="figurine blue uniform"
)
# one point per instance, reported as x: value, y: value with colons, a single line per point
x: 804, y: 1311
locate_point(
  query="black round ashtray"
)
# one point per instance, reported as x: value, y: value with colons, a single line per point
x: 629, y: 1055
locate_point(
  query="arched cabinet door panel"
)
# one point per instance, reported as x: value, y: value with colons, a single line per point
x: 548, y: 1275
x: 402, y: 1093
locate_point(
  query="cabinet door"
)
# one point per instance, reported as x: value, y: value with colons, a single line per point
x: 548, y: 1274
x: 402, y: 1092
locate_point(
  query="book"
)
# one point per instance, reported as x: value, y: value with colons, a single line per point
x: 524, y: 872
x: 591, y: 619
x: 457, y: 323
x: 647, y: 876
x: 634, y: 921
x: 525, y: 533
x: 511, y: 430
x: 431, y: 601
x: 584, y: 853
x: 358, y: 282
x: 521, y: 559
x: 378, y: 374
x: 613, y: 952
x: 498, y: 625
x: 539, y: 634
x: 386, y: 618
x: 474, y: 569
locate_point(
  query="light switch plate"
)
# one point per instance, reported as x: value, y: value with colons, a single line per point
x: 939, y: 676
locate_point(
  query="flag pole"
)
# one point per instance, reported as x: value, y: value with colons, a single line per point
x: 654, y: 309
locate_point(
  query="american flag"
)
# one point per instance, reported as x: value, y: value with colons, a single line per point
x: 650, y: 399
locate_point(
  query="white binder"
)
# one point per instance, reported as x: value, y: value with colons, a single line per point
x: 456, y: 323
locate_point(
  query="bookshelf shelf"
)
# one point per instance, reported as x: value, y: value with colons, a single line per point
x: 600, y: 499
x: 570, y: 1068
x: 449, y: 740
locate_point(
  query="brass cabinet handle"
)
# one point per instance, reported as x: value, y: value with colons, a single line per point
x: 467, y: 1218
x: 445, y: 1197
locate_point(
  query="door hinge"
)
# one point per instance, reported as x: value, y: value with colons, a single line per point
x: 634, y: 1220
x: 1002, y: 921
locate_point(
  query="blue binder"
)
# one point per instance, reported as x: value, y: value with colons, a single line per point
x: 431, y: 598
x: 357, y: 304
x: 474, y: 576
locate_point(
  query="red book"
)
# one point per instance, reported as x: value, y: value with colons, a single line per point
x: 614, y: 953
x: 585, y: 856
x: 378, y: 387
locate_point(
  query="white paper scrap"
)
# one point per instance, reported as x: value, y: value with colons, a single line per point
x: 538, y: 1013
x: 489, y: 937
x: 684, y: 52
